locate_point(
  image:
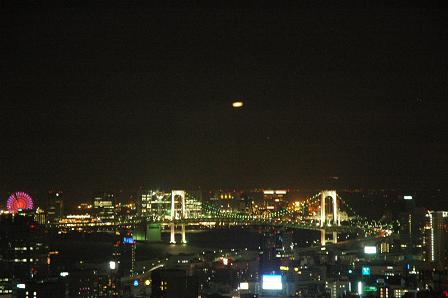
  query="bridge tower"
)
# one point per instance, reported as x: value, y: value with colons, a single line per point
x: 335, y: 220
x: 177, y: 212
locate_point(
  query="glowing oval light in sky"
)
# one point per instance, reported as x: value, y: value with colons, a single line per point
x: 237, y: 104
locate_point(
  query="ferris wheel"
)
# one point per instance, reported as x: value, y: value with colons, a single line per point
x: 19, y: 200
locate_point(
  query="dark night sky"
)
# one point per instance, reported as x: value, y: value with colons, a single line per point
x: 110, y: 97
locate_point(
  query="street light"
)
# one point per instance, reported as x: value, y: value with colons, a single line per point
x: 112, y: 265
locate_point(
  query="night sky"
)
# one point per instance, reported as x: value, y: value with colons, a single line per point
x: 105, y: 97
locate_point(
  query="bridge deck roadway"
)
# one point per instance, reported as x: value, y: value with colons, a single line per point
x: 260, y: 222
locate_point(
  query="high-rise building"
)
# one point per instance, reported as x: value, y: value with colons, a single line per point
x: 104, y: 207
x: 154, y: 204
x: 437, y: 238
x: 412, y: 228
x: 55, y: 206
x: 23, y: 250
x: 124, y: 253
x: 274, y: 199
x: 193, y: 204
x: 40, y: 217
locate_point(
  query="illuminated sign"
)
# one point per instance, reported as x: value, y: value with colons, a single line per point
x: 63, y: 274
x: 21, y: 286
x: 369, y: 289
x: 272, y: 282
x: 128, y: 240
x: 365, y: 270
x: 244, y: 286
x: 135, y: 283
x: 370, y: 250
x: 407, y: 197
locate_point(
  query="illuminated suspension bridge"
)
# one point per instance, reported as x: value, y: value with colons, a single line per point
x: 325, y: 211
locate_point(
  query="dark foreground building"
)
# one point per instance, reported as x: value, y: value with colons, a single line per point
x: 173, y: 283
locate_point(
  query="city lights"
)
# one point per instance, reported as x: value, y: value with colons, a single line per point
x: 370, y: 250
x: 225, y: 261
x: 365, y: 270
x: 244, y: 286
x: 112, y: 265
x: 272, y: 282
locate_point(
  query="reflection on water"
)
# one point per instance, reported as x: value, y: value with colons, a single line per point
x: 198, y: 241
x: 219, y: 238
x: 99, y: 247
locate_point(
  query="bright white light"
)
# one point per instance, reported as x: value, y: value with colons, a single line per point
x: 63, y: 274
x: 359, y: 288
x: 370, y: 250
x: 112, y: 265
x: 272, y: 282
x: 237, y: 104
x: 225, y: 261
x: 280, y: 192
x: 21, y: 286
x: 407, y: 197
x: 244, y: 286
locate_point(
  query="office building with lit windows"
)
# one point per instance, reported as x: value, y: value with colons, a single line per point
x: 23, y: 251
x: 154, y: 204
x: 437, y: 238
x: 104, y: 207
x: 274, y: 199
x: 412, y: 228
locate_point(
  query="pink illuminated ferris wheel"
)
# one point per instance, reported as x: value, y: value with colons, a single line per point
x: 19, y: 200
